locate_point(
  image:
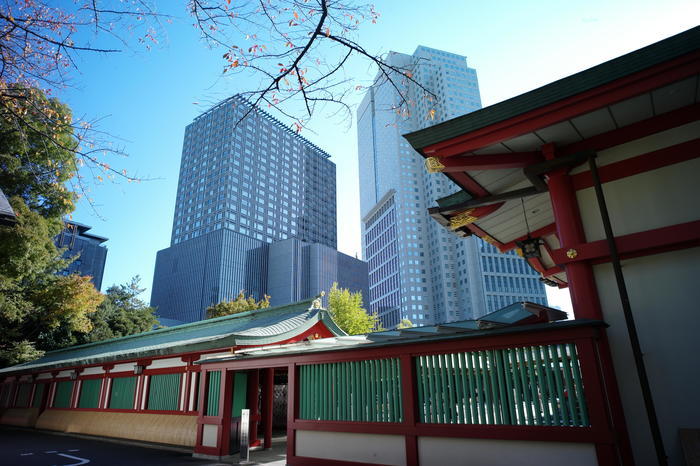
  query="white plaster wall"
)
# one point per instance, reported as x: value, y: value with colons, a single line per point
x: 44, y: 376
x: 366, y: 448
x: 92, y: 371
x: 665, y: 299
x: 126, y: 367
x: 442, y: 451
x: 169, y: 362
x: 209, y: 435
x: 655, y: 199
x: 65, y: 373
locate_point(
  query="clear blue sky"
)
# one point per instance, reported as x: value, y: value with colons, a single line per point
x: 147, y: 98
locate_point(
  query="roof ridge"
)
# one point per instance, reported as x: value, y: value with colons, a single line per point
x: 202, y: 323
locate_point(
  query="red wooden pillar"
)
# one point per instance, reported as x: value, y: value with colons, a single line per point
x: 268, y: 392
x: 225, y: 404
x: 408, y: 385
x: 253, y: 392
x: 292, y: 408
x: 584, y: 295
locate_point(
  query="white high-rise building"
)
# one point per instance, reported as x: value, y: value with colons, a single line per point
x: 417, y: 269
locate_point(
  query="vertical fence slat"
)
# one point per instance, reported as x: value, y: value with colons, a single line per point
x: 534, y: 395
x: 495, y: 392
x: 580, y: 398
x: 510, y: 398
x: 556, y: 366
x: 542, y: 384
x: 446, y: 364
x: 551, y: 385
x: 515, y: 364
x: 568, y: 384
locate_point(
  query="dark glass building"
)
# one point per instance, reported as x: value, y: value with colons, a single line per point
x: 91, y: 253
x: 299, y: 270
x: 245, y: 183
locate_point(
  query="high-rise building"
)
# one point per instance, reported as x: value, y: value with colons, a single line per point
x: 299, y: 270
x: 418, y: 270
x: 87, y: 249
x: 245, y: 183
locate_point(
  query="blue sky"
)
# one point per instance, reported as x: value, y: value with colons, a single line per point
x: 146, y: 99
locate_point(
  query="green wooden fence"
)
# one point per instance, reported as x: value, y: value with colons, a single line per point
x: 164, y: 392
x: 352, y: 391
x: 38, y: 395
x: 63, y: 394
x: 6, y: 394
x: 89, y: 393
x: 122, y: 393
x: 212, y: 408
x: 23, y: 395
x: 533, y: 385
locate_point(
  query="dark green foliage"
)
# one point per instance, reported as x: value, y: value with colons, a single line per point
x: 122, y: 313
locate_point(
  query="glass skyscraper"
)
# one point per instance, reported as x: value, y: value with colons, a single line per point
x: 244, y: 183
x: 87, y: 249
x: 417, y: 269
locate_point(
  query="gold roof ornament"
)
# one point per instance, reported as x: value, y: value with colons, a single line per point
x: 462, y: 219
x: 489, y: 239
x: 433, y: 165
x: 317, y: 303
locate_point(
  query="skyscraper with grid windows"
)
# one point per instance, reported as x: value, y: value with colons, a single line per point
x: 418, y: 270
x: 245, y: 182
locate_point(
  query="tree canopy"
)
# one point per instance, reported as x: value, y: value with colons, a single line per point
x: 405, y: 323
x: 40, y: 309
x: 238, y: 305
x: 121, y: 313
x: 347, y: 311
x: 34, y: 300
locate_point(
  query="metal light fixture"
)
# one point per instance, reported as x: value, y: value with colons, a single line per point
x: 530, y: 247
x: 138, y: 369
x: 74, y: 375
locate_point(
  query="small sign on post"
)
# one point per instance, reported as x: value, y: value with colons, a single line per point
x: 245, y: 444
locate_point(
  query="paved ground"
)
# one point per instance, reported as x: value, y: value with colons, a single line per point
x: 24, y: 447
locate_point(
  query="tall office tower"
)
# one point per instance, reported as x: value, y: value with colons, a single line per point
x: 241, y: 187
x: 89, y: 252
x: 299, y: 270
x: 418, y: 270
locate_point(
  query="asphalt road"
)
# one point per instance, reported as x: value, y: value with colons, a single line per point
x: 19, y: 447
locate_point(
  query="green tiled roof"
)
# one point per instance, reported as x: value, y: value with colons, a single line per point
x: 657, y: 53
x: 248, y: 328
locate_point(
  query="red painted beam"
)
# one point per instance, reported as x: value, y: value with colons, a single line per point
x: 642, y: 163
x: 647, y: 242
x: 634, y: 131
x: 467, y: 183
x: 616, y: 91
x: 460, y: 163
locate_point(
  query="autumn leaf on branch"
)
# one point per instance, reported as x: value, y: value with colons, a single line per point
x: 296, y: 52
x: 41, y: 43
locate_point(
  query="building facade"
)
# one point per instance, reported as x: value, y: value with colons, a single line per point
x: 246, y: 182
x: 417, y: 269
x: 91, y: 253
x: 299, y: 270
